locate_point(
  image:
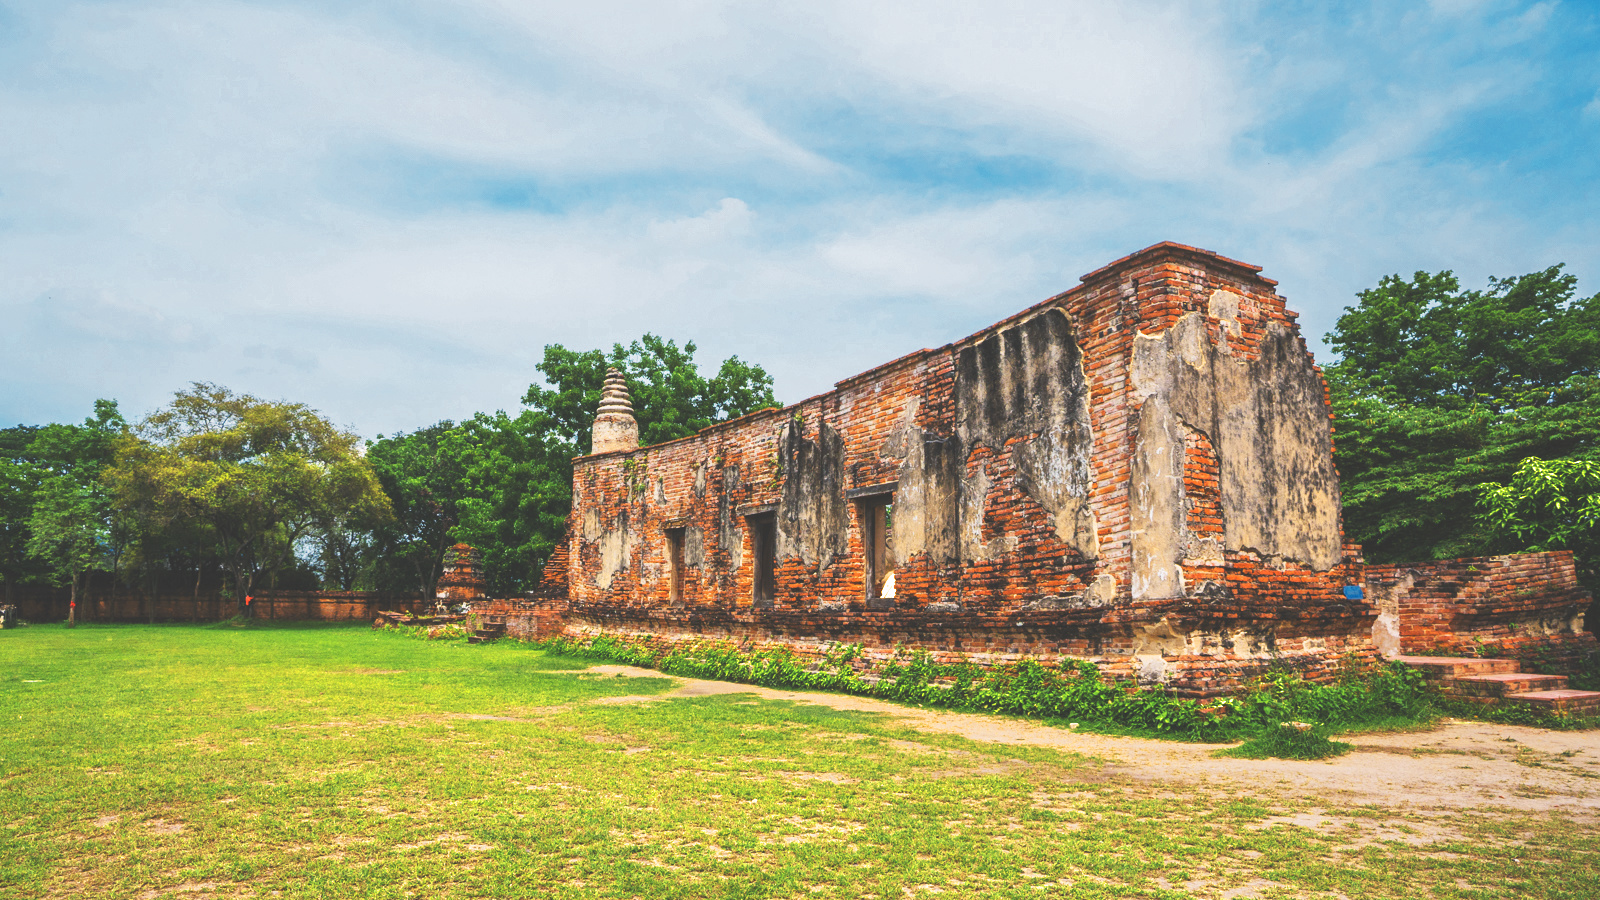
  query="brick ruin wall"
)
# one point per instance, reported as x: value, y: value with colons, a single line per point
x: 103, y: 603
x: 1526, y: 606
x: 1137, y: 472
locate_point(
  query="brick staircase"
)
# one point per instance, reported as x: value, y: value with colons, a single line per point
x: 492, y: 628
x: 1492, y: 681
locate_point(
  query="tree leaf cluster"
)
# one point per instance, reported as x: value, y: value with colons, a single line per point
x: 56, y: 522
x: 251, y: 485
x: 1441, y: 393
x: 671, y: 399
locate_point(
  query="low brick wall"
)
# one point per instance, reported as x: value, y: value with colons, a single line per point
x: 41, y: 603
x: 946, y: 638
x: 526, y: 618
x: 1527, y: 606
x: 330, y: 606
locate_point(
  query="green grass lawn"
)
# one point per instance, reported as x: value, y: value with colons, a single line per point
x: 193, y: 762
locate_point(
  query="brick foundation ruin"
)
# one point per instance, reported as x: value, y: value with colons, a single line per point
x: 1527, y: 606
x: 1138, y: 472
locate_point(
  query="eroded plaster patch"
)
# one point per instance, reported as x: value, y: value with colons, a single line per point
x: 1022, y: 391
x: 616, y: 547
x: 1268, y: 423
x: 1156, y: 503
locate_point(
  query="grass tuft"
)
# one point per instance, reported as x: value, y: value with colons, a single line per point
x: 1284, y: 742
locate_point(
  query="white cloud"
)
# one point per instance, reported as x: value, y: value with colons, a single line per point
x: 1151, y: 88
x: 730, y: 219
x: 291, y: 198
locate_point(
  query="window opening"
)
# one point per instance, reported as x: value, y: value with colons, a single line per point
x: 675, y: 565
x: 764, y: 547
x: 877, y: 545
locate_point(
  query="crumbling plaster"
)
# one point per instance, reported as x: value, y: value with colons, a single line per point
x: 1022, y: 392
x: 1268, y: 420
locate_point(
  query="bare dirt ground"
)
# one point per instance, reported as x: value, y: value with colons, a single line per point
x: 1458, y: 765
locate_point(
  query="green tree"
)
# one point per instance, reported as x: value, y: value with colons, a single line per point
x: 30, y: 456
x: 1440, y: 389
x: 18, y: 480
x: 1427, y: 342
x: 517, y: 491
x: 1548, y: 505
x: 68, y: 532
x: 671, y: 399
x: 259, y: 476
x: 424, y: 476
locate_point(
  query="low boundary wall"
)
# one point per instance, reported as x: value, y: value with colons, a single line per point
x: 1525, y: 606
x: 99, y: 603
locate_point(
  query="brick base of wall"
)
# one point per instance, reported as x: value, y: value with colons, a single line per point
x: 1190, y: 675
x: 1524, y: 606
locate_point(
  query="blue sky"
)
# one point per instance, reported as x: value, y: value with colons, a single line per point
x: 386, y: 210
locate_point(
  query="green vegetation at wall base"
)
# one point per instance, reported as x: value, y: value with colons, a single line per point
x: 1369, y: 698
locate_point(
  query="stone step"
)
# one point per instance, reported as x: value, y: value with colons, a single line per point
x: 1568, y: 701
x: 1505, y: 684
x: 1458, y: 666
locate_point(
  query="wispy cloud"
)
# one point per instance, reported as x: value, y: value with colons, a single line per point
x: 387, y: 210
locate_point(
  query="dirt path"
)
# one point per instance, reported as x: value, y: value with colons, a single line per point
x: 1457, y: 765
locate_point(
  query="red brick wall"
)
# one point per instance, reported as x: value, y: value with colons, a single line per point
x: 1525, y: 605
x: 44, y: 604
x: 1035, y: 594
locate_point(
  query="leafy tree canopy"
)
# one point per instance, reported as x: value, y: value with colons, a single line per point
x: 519, y: 490
x: 44, y: 472
x: 1429, y: 343
x: 1440, y: 390
x: 424, y: 482
x: 671, y: 399
x: 260, y: 477
x: 69, y: 530
x: 1548, y: 505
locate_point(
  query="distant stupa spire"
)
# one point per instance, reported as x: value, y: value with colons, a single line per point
x: 614, y: 425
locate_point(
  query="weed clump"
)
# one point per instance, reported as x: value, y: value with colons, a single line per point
x: 1288, y: 742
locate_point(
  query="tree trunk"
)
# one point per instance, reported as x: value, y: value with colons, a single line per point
x: 242, y: 587
x: 197, y: 571
x: 72, y: 604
